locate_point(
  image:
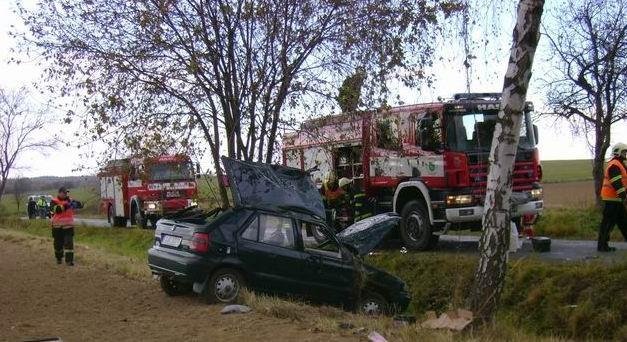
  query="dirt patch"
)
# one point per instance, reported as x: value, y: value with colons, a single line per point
x: 39, y: 298
x: 569, y: 195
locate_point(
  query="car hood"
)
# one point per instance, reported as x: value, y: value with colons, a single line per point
x: 365, y: 235
x: 272, y: 187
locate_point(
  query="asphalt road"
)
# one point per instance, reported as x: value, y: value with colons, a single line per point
x: 561, y: 250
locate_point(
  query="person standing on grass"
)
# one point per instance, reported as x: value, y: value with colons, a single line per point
x: 62, y: 211
x: 614, y: 194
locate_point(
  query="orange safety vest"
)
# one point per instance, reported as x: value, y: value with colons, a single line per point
x: 64, y: 219
x: 608, y: 193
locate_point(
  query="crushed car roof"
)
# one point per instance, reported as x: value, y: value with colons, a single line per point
x: 272, y: 187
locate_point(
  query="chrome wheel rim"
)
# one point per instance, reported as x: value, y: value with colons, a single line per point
x: 415, y: 225
x: 226, y: 288
x: 371, y: 307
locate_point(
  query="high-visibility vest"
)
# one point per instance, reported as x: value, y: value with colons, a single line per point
x: 608, y: 193
x: 65, y: 218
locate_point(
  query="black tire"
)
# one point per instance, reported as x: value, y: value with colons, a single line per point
x: 224, y: 286
x: 171, y: 287
x: 416, y: 231
x: 372, y: 304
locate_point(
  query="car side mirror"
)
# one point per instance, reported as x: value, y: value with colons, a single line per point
x: 536, y: 134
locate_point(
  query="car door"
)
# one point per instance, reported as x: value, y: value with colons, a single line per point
x: 329, y: 272
x: 267, y: 247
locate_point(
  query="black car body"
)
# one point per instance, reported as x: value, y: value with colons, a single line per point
x: 267, y: 242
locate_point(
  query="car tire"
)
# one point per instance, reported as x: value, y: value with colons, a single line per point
x: 172, y: 287
x: 224, y: 286
x: 372, y: 304
x: 416, y: 231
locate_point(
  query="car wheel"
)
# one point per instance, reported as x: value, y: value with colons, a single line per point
x: 416, y: 230
x: 172, y: 287
x: 224, y: 286
x: 372, y: 304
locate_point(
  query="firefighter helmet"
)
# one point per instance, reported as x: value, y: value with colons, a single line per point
x: 619, y: 148
x: 344, y: 181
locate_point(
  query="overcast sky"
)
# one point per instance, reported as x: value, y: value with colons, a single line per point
x: 556, y: 141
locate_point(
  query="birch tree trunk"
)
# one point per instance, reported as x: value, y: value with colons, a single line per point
x: 490, y: 272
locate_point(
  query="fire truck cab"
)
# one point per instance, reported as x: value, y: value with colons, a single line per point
x: 145, y: 189
x: 426, y: 162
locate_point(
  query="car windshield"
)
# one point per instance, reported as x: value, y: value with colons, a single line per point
x: 171, y: 171
x: 473, y: 131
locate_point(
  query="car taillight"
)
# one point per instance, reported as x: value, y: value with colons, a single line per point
x: 200, y: 242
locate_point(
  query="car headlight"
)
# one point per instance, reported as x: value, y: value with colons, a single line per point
x: 459, y: 200
x: 536, y: 193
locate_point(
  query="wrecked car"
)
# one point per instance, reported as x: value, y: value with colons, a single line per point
x: 266, y: 243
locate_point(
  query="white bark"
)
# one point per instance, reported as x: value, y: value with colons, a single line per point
x: 490, y: 273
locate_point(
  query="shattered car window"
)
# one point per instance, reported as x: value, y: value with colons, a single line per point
x: 327, y: 247
x: 277, y: 231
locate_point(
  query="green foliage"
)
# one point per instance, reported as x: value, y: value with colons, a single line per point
x: 557, y: 171
x: 350, y: 92
x: 569, y: 223
x: 573, y: 300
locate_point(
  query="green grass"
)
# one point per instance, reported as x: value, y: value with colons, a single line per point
x: 572, y: 300
x: 557, y: 171
x: 132, y: 243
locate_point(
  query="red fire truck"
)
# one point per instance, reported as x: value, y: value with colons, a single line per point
x: 144, y: 189
x: 426, y: 162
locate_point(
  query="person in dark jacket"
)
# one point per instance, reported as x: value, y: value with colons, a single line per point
x: 614, y: 194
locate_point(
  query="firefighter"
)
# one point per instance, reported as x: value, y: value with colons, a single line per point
x: 613, y: 194
x: 360, y: 206
x: 332, y: 192
x: 62, y: 211
x: 42, y: 207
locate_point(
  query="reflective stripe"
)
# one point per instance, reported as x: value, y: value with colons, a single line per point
x: 358, y: 205
x: 616, y: 178
x: 69, y: 251
x: 611, y: 199
x: 621, y: 190
x: 360, y: 195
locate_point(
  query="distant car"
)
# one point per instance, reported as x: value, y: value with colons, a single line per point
x: 266, y: 243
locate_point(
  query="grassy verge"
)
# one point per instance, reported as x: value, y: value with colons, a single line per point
x: 574, y: 300
x: 572, y: 223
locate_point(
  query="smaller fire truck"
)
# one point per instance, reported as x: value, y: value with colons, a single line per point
x: 145, y: 189
x: 427, y: 162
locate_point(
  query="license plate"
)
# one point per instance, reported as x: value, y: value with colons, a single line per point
x: 169, y: 240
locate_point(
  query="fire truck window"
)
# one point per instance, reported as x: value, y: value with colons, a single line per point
x: 429, y: 135
x: 388, y: 135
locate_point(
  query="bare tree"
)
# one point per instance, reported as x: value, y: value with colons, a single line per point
x: 588, y: 86
x: 20, y: 126
x: 21, y: 186
x: 228, y: 69
x: 490, y: 273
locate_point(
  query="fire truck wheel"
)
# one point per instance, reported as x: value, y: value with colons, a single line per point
x: 415, y: 227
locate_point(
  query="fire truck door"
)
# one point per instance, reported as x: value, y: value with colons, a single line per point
x: 118, y: 197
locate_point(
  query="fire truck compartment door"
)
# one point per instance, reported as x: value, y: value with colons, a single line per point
x: 272, y: 187
x: 118, y: 196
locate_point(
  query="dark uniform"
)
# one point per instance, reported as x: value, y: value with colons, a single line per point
x: 613, y: 194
